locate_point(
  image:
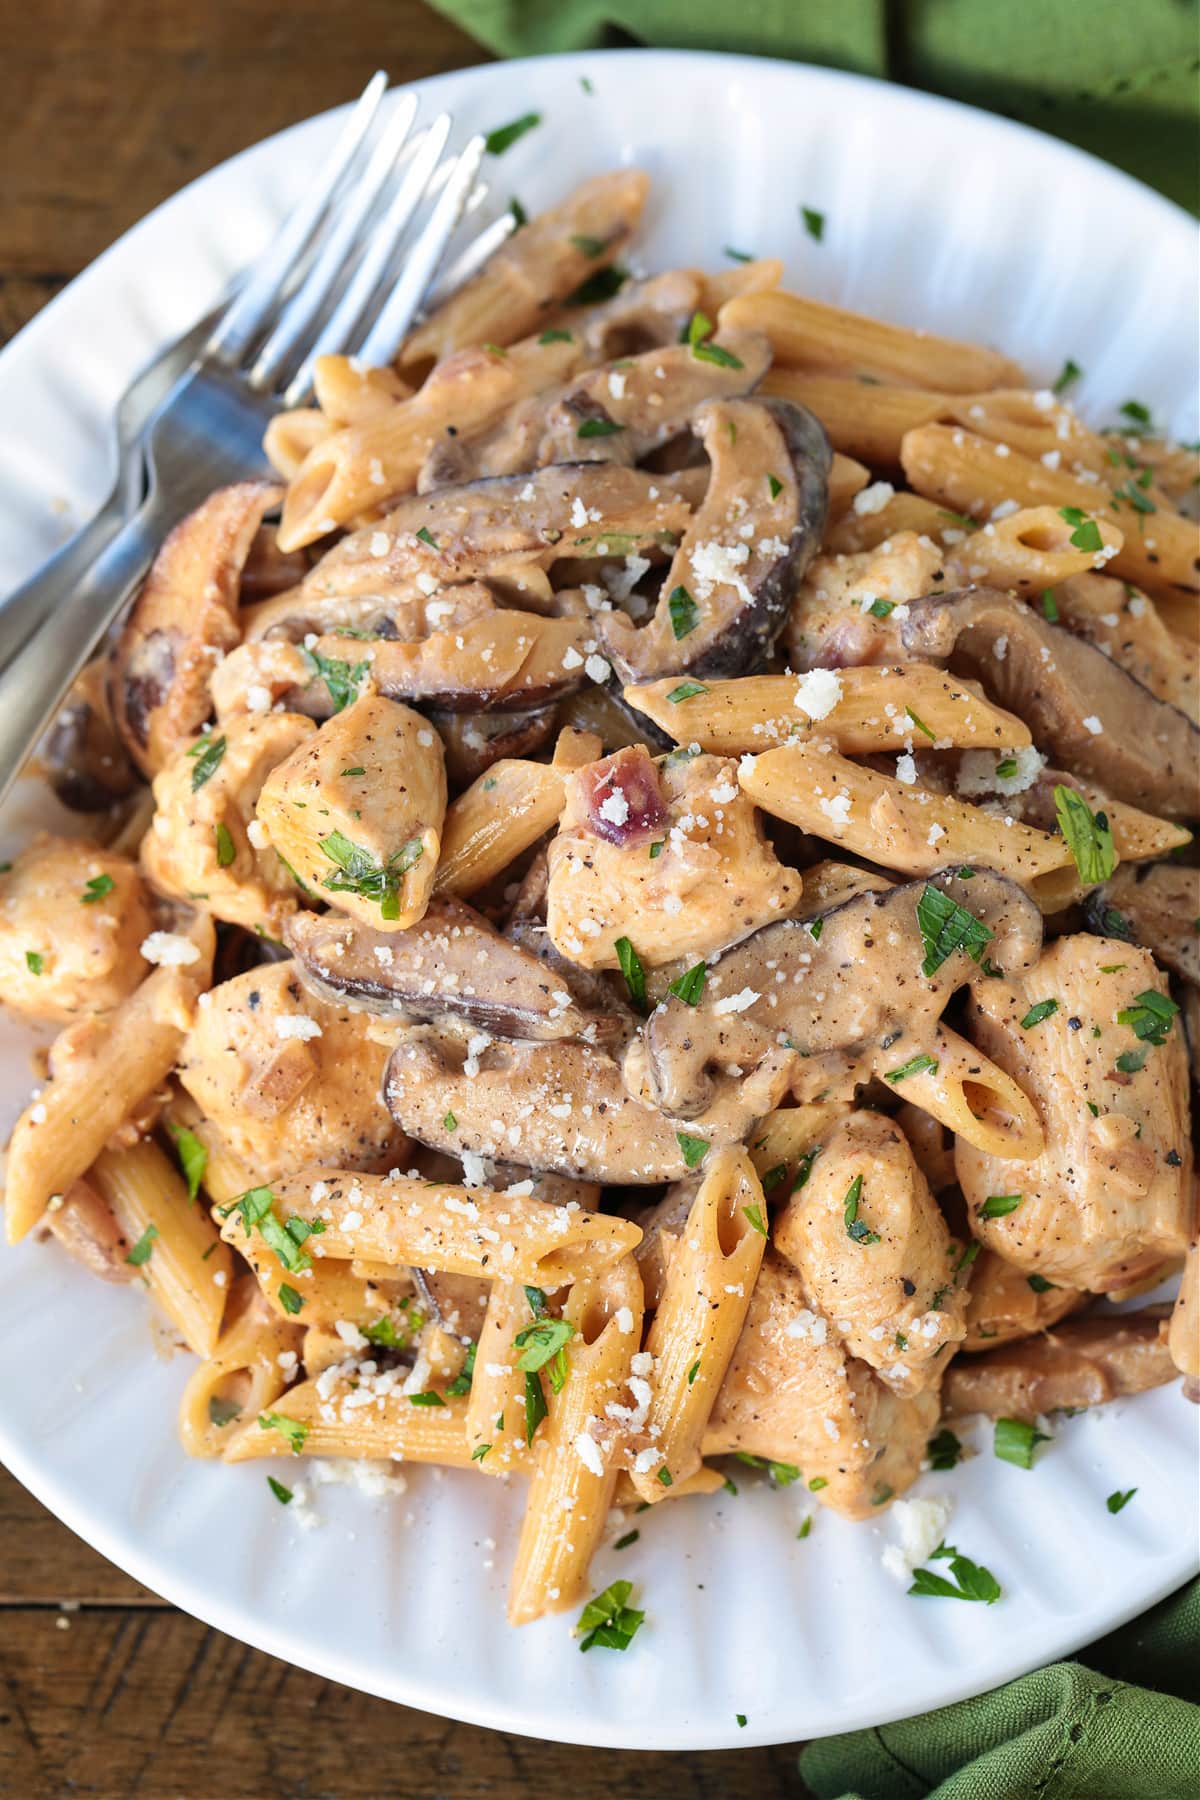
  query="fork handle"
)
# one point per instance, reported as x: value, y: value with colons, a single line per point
x: 35, y: 680
x: 49, y: 588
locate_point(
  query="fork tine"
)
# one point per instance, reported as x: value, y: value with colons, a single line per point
x: 470, y: 259
x: 244, y: 318
x: 336, y: 333
x: 401, y: 306
x: 322, y: 278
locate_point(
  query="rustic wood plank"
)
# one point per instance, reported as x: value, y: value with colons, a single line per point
x: 44, y: 1563
x: 153, y: 1704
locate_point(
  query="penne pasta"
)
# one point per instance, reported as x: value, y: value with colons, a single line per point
x: 756, y: 277
x: 706, y: 1294
x: 495, y: 1410
x: 761, y: 712
x: 575, y: 1468
x: 963, y: 1089
x: 903, y: 512
x: 365, y: 1417
x: 438, y: 1225
x: 503, y: 812
x: 807, y: 334
x: 349, y: 394
x: 242, y: 1377
x: 172, y: 1242
x: 1030, y: 549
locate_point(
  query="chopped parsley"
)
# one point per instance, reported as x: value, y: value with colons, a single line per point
x: 1116, y: 1501
x: 1137, y: 414
x: 693, y: 1148
x: 1150, y: 1017
x: 96, y: 888
x: 1049, y: 606
x: 1132, y: 1062
x: 685, y: 614
x: 357, y: 769
x: 35, y: 962
x: 281, y: 1493
x: 479, y: 1452
x: 595, y: 428
x: 1086, y: 533
x: 944, y: 1451
x: 665, y: 1478
x: 632, y: 970
x: 970, y: 1580
x: 519, y: 215
x: 225, y: 846
x: 142, y: 1250
x: 687, y: 690
x: 382, y: 1332
x: 814, y: 222
x: 805, y: 1526
x: 713, y: 353
x: 854, y: 1225
x: 589, y: 246
x: 208, y: 753
x: 285, y: 1240
x: 817, y: 1483
x: 425, y: 535
x: 1015, y: 1440
x: 608, y: 1622
x: 742, y: 256
x: 1039, y: 1284
x: 689, y: 986
x: 998, y: 1206
x: 693, y: 1372
x: 1088, y: 834
x: 916, y: 1065
x: 630, y: 1537
x: 544, y: 1342
x: 881, y: 609
x: 757, y: 1222
x: 289, y: 1299
x: 920, y: 725
x: 292, y: 1429
x: 193, y: 1157
x: 775, y: 485
x: 555, y: 337
x: 428, y: 1398
x: 360, y: 873
x: 341, y: 678
x: 222, y: 1412
x: 601, y: 284
x: 1043, y: 1009
x: 505, y: 136
x: 656, y: 849
x: 1068, y: 375
x: 946, y: 927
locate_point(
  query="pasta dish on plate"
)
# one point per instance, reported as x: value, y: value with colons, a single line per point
x: 637, y: 911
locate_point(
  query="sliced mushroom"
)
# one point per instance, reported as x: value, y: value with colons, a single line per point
x: 401, y: 610
x: 1003, y: 1306
x: 1082, y: 1363
x: 1156, y: 905
x: 840, y: 1000
x: 562, y: 1107
x: 84, y: 756
x: 502, y: 659
x: 451, y: 964
x: 1079, y: 704
x: 726, y: 596
x: 473, y: 741
x: 182, y: 623
x: 617, y: 414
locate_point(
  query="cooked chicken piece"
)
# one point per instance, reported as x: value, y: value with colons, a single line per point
x: 1156, y: 905
x: 84, y: 1225
x: 1005, y: 1303
x: 561, y: 1107
x: 1145, y: 751
x: 662, y: 1226
x: 825, y: 1008
x: 931, y: 1142
x: 289, y: 1079
x: 792, y: 1395
x: 72, y: 919
x: 660, y: 856
x: 357, y: 810
x: 204, y: 840
x: 182, y: 622
x: 1127, y: 626
x: 874, y: 1254
x: 1184, y: 1335
x: 831, y: 624
x: 451, y: 964
x: 1108, y: 1197
x: 726, y: 595
x: 1082, y: 1363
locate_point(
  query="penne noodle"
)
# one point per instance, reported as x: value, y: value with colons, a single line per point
x: 1137, y: 836
x: 575, y: 1468
x: 291, y: 435
x: 367, y: 1418
x: 1029, y: 549
x: 783, y: 1139
x: 102, y: 1068
x: 907, y: 828
x: 807, y: 334
x: 318, y: 1297
x: 244, y: 1374
x: 706, y: 1294
x: 438, y: 1225
x: 966, y: 1091
x: 903, y: 512
x: 962, y: 470
x: 756, y: 277
x: 184, y: 1264
x: 496, y: 1408
x: 846, y: 478
x: 862, y: 419
x: 503, y: 812
x: 761, y: 712
x: 349, y: 394
x: 706, y: 1480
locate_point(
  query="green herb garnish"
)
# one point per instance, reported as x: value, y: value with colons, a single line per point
x: 505, y: 136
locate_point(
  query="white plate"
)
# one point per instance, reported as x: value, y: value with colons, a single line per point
x: 936, y: 215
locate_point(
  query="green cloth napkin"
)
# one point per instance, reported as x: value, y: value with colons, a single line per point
x: 1122, y: 1725
x: 1117, y: 77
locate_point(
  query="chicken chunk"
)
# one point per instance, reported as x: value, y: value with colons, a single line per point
x: 204, y: 840
x: 1090, y: 1035
x: 874, y: 1253
x: 289, y: 1079
x: 72, y: 919
x: 357, y: 811
x: 831, y: 624
x: 791, y: 1394
x: 1005, y: 1304
x: 713, y: 881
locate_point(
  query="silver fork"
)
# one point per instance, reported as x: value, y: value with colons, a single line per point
x: 208, y: 430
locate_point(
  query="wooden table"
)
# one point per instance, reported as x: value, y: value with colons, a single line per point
x: 108, y: 107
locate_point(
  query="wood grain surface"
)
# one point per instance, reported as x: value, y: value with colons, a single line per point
x: 109, y: 106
